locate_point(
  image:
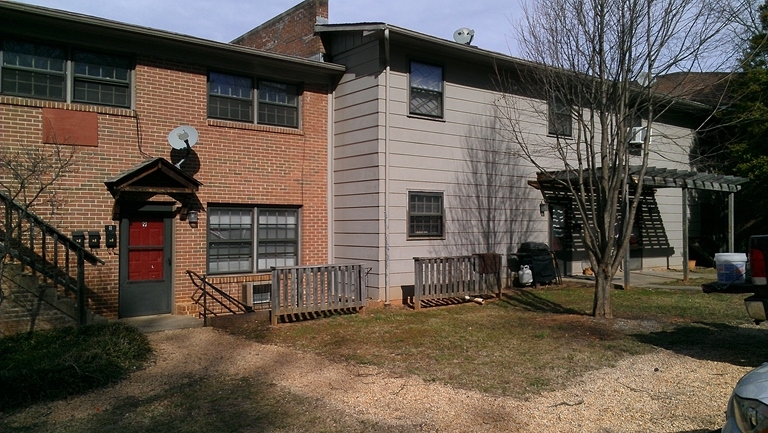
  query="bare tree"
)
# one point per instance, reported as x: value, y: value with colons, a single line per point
x: 29, y: 177
x: 594, y: 63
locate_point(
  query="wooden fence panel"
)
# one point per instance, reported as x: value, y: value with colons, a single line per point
x: 316, y: 289
x: 452, y: 277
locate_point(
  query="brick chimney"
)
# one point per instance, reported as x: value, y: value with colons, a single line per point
x: 292, y: 32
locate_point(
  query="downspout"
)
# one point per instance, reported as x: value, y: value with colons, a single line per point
x: 386, y: 167
x: 331, y: 170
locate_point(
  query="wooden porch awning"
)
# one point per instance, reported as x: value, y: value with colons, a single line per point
x: 662, y: 178
x: 152, y: 176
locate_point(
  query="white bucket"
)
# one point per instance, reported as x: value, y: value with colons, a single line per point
x: 731, y: 267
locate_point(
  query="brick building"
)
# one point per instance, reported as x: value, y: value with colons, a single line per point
x: 124, y: 99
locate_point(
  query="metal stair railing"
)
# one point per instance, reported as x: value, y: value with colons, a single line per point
x: 212, y: 300
x: 46, y: 251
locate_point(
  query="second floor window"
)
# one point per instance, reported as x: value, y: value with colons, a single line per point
x: 426, y: 82
x: 231, y: 97
x: 559, y: 120
x: 48, y: 72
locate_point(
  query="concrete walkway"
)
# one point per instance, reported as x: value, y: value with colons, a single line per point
x: 652, y: 279
x: 163, y: 322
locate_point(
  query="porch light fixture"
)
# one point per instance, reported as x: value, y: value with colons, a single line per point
x: 543, y: 208
x: 192, y: 218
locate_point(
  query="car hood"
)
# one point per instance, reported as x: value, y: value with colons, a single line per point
x: 754, y: 385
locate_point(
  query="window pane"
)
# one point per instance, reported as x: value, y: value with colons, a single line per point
x: 426, y: 82
x: 230, y: 85
x: 230, y: 240
x: 33, y: 70
x: 113, y: 68
x: 230, y: 97
x: 278, y: 104
x: 34, y: 56
x: 101, y: 79
x: 425, y: 214
x: 278, y: 238
x: 559, y: 118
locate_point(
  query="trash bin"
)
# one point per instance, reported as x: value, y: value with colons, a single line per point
x: 539, y: 258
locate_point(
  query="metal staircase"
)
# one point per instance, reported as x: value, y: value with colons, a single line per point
x: 52, y: 259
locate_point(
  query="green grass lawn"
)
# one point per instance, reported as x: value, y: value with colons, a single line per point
x: 531, y: 340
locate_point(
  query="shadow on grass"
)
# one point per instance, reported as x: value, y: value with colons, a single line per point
x: 529, y: 300
x: 737, y: 345
x: 209, y: 405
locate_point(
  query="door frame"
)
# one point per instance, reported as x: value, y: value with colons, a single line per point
x: 165, y: 213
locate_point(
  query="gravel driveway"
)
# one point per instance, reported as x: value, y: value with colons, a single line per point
x: 657, y: 392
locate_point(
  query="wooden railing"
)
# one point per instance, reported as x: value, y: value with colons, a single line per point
x: 315, y: 289
x: 48, y: 253
x: 438, y: 278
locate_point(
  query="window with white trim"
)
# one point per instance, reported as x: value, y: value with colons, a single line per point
x: 425, y: 215
x: 426, y: 84
x: 235, y: 247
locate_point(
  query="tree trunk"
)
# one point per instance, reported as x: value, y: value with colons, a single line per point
x: 601, y: 307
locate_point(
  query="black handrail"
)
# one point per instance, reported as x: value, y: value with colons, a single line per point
x: 202, y: 293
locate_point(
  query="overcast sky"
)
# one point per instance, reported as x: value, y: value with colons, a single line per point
x: 224, y: 20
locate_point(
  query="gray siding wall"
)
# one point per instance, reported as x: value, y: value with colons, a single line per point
x: 452, y: 155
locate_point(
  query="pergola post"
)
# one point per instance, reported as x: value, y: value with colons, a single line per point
x: 731, y: 224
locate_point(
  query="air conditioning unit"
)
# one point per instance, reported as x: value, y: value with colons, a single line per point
x: 637, y: 135
x: 256, y: 293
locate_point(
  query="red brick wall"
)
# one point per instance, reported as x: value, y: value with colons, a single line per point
x: 292, y: 32
x: 239, y: 164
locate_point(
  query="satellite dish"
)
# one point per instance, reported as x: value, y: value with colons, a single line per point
x: 183, y: 137
x: 464, y: 35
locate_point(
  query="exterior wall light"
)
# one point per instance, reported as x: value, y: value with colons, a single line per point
x: 192, y: 218
x: 543, y: 208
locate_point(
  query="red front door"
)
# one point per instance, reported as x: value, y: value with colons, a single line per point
x: 145, y: 250
x: 145, y: 266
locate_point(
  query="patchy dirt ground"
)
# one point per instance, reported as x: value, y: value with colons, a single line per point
x: 657, y: 392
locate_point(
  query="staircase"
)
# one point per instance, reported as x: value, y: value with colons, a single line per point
x: 40, y: 266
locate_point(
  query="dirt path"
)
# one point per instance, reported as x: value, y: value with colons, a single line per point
x: 658, y: 392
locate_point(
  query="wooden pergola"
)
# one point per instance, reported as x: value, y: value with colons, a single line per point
x: 670, y: 178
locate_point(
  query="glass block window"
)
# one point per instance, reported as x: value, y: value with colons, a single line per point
x: 559, y: 118
x: 230, y: 97
x: 426, y: 82
x: 278, y: 238
x: 278, y: 104
x: 230, y: 240
x: 101, y: 79
x: 33, y: 70
x: 425, y: 214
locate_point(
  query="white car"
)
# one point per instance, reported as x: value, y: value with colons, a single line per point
x: 748, y: 406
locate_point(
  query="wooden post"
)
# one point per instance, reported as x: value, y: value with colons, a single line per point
x: 81, y: 316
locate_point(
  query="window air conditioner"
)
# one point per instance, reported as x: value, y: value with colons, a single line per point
x: 637, y: 135
x: 256, y: 293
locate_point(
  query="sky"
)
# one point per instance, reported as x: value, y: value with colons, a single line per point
x: 224, y: 20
